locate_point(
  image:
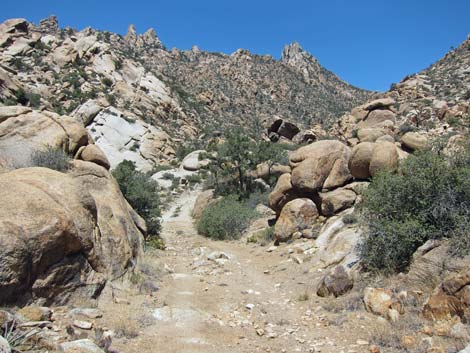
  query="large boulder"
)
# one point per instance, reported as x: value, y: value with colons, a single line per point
x: 414, y: 141
x: 385, y: 156
x: 370, y: 134
x: 432, y: 264
x: 360, y: 160
x: 63, y: 233
x: 296, y: 215
x: 337, y: 200
x: 378, y: 119
x: 282, y: 193
x: 381, y: 103
x: 193, y: 162
x: 29, y: 131
x: 451, y: 298
x: 288, y: 130
x: 279, y: 127
x: 87, y: 112
x: 203, y: 200
x: 92, y: 153
x: 337, y: 244
x: 337, y: 282
x: 264, y: 170
x: 381, y: 302
x: 12, y: 111
x: 121, y: 137
x: 320, y: 165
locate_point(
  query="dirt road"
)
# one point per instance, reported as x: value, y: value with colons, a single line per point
x: 229, y: 297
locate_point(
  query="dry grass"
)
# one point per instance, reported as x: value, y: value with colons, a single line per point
x: 127, y: 329
x: 389, y: 335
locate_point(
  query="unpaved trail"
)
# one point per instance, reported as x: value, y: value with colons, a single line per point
x: 227, y: 297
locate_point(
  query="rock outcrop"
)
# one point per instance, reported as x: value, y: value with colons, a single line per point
x: 295, y: 216
x: 23, y: 131
x: 336, y: 283
x: 320, y: 165
x: 121, y: 137
x: 60, y: 236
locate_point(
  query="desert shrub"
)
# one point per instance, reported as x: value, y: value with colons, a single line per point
x: 429, y: 198
x: 34, y: 100
x: 107, y: 81
x: 193, y: 179
x: 141, y: 192
x: 406, y: 127
x: 168, y: 176
x: 350, y: 219
x: 19, y: 340
x: 231, y: 166
x: 158, y: 168
x: 262, y: 237
x: 225, y: 219
x: 52, y: 158
x: 175, y: 183
x: 453, y: 121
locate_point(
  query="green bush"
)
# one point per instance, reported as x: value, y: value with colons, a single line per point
x: 350, y: 219
x: 52, y: 158
x: 429, y: 198
x: 406, y: 127
x: 141, y: 192
x: 107, y: 81
x: 194, y: 179
x: 225, y: 219
x: 168, y: 176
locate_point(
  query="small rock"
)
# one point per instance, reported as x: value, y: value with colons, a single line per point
x: 87, y: 312
x: 393, y: 315
x: 374, y: 349
x: 84, y: 325
x: 460, y: 331
x: 362, y: 342
x: 80, y: 346
x: 408, y: 342
x: 35, y: 313
x: 427, y: 330
x: 217, y: 255
x: 250, y: 306
x: 260, y: 332
x: 271, y: 248
x: 121, y: 301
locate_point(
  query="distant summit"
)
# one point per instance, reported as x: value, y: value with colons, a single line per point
x: 147, y: 40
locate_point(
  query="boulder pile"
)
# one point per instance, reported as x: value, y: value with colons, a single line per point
x: 60, y: 232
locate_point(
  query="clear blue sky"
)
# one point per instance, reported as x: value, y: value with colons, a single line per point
x: 369, y: 43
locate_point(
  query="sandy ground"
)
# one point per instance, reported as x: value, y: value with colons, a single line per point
x: 229, y: 296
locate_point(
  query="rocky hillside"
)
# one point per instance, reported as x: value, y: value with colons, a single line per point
x: 184, y: 93
x: 434, y: 101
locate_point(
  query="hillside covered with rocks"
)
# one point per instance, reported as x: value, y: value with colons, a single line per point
x: 204, y: 202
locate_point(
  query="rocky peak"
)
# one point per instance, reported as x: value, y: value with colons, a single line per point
x: 49, y: 25
x: 147, y: 40
x: 131, y: 35
x: 150, y: 38
x: 293, y: 54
